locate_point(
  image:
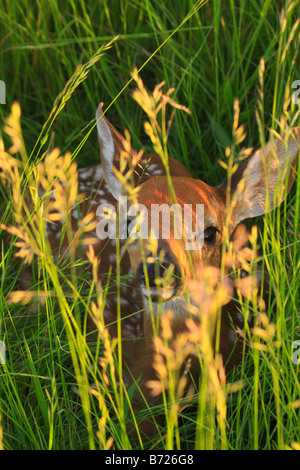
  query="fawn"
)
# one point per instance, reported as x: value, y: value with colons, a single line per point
x: 253, y: 187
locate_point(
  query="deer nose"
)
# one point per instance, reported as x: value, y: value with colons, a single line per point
x: 157, y: 269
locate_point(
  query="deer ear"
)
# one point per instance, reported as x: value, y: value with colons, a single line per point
x: 265, y: 179
x: 111, y: 143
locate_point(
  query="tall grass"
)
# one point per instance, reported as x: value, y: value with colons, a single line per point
x: 52, y: 393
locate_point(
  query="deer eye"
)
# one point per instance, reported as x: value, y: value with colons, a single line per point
x: 210, y: 234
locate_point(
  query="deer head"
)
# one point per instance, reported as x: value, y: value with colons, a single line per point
x: 257, y: 186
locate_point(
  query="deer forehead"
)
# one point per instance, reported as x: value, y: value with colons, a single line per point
x: 188, y: 192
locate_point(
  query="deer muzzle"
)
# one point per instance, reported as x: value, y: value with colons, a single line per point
x: 159, y: 277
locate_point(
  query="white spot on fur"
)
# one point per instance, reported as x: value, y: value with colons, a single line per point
x: 100, y: 192
x: 232, y: 335
x: 112, y: 258
x: 58, y: 235
x: 152, y: 167
x: 86, y: 173
x: 103, y: 201
x: 82, y: 187
x: 98, y: 173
